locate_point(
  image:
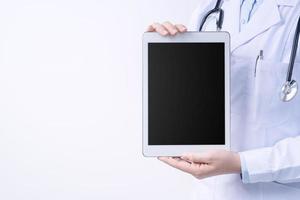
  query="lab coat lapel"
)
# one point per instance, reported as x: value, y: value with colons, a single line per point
x: 231, y: 17
x: 266, y: 16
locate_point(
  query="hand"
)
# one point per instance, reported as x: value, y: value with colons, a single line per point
x: 166, y: 28
x: 203, y: 165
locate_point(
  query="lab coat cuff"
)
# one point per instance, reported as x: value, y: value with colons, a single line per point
x: 255, y: 165
x: 244, y: 173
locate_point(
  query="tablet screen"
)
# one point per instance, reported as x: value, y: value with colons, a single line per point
x: 186, y: 87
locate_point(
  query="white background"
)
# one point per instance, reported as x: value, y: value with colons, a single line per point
x: 70, y: 101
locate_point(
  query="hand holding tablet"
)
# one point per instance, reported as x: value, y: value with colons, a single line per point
x: 185, y: 93
x: 206, y: 164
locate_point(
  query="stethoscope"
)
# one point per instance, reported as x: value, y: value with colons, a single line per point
x: 290, y: 87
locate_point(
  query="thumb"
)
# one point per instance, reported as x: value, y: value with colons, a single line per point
x: 195, y: 157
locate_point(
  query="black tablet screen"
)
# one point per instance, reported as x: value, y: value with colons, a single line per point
x: 186, y: 94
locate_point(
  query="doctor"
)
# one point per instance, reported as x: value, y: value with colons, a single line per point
x: 265, y: 159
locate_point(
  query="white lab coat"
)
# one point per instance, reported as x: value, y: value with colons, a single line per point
x: 265, y: 130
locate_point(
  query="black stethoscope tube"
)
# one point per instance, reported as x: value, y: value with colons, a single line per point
x: 293, y: 53
x: 216, y: 9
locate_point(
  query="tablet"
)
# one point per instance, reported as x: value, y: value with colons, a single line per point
x: 186, y: 93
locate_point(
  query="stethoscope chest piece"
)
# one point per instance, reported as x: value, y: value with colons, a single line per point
x: 289, y: 90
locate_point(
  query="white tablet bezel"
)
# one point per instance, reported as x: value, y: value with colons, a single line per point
x: 193, y: 37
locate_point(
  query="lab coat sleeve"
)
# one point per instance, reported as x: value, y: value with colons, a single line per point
x: 279, y: 163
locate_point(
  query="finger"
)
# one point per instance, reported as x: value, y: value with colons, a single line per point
x: 170, y: 27
x: 189, y: 157
x: 162, y: 158
x: 206, y: 170
x: 181, y: 28
x: 179, y: 164
x: 150, y: 29
x: 196, y: 157
x: 160, y: 29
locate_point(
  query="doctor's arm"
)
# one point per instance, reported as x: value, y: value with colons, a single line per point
x: 280, y: 163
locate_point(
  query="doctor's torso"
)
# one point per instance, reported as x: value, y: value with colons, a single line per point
x: 258, y: 117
